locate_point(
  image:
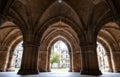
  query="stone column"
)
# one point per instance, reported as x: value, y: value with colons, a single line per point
x: 29, y: 64
x: 116, y: 59
x: 70, y: 68
x: 11, y: 61
x: 42, y: 61
x: 77, y: 61
x: 109, y: 61
x: 4, y: 55
x: 89, y: 59
x: 48, y: 63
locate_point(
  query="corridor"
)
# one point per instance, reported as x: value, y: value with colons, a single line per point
x: 12, y: 74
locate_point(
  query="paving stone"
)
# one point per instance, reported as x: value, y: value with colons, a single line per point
x: 48, y: 74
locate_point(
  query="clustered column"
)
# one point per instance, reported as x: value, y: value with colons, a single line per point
x: 76, y: 61
x: 4, y: 55
x: 89, y: 59
x: 109, y: 61
x: 29, y: 63
x: 116, y: 59
x: 43, y: 61
x: 11, y: 63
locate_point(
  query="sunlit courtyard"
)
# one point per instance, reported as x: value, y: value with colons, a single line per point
x: 60, y: 70
x: 59, y: 58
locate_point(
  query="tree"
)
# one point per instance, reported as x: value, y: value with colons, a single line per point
x: 54, y: 58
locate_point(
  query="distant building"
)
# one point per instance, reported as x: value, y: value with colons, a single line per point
x: 18, y: 54
x: 61, y: 48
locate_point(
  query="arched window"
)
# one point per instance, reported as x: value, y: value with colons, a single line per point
x: 18, y: 55
x: 59, y: 59
x: 102, y: 58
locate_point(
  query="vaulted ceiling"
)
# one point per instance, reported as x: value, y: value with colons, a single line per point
x: 33, y: 15
x: 36, y: 12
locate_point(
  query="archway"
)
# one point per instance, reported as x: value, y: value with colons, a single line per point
x: 102, y: 58
x: 11, y: 36
x: 59, y: 57
x: 55, y: 32
x: 17, y: 56
x: 108, y: 36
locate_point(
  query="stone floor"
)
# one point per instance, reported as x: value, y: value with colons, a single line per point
x: 12, y: 74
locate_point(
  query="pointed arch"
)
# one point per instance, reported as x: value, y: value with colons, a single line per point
x: 58, y: 12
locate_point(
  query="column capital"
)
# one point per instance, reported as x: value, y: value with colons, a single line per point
x: 31, y: 43
x: 87, y: 43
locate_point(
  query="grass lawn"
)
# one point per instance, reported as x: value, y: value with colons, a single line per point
x: 16, y: 69
x: 60, y: 70
x: 65, y: 70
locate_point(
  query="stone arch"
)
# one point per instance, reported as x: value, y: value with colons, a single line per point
x: 102, y: 23
x: 11, y: 34
x: 53, y: 11
x: 49, y: 17
x: 70, y: 49
x: 11, y: 55
x: 107, y: 33
x: 11, y: 44
x: 108, y: 52
x: 41, y: 31
x: 54, y: 32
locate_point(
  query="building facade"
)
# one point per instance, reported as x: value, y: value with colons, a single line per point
x: 62, y: 50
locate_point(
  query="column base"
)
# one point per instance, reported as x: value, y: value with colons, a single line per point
x: 76, y: 71
x: 91, y: 72
x: 49, y: 70
x: 10, y: 69
x: 28, y: 71
x: 43, y: 71
x: 110, y: 70
x: 117, y: 71
x: 70, y: 70
x: 2, y: 71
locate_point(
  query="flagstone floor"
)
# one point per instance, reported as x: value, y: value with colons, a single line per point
x: 48, y: 74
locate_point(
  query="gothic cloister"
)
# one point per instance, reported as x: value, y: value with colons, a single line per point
x: 80, y: 24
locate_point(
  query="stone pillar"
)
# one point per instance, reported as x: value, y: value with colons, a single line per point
x: 11, y: 61
x: 89, y: 59
x: 4, y: 55
x: 116, y: 59
x: 48, y: 63
x: 43, y: 61
x: 71, y: 66
x: 29, y: 64
x: 109, y: 61
x: 76, y: 61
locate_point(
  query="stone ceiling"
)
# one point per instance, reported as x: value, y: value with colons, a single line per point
x: 32, y: 15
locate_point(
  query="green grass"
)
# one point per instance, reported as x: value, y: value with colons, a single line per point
x: 64, y: 70
x: 60, y: 70
x: 16, y: 69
